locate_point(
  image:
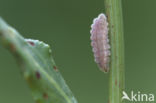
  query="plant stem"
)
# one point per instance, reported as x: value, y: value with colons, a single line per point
x: 116, y: 79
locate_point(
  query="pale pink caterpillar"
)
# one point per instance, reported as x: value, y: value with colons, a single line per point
x: 100, y: 42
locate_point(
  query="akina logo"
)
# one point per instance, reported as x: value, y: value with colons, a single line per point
x: 138, y: 97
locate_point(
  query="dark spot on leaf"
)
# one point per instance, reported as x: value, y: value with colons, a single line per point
x: 55, y: 68
x: 12, y: 47
x: 38, y: 76
x: 45, y: 95
x: 31, y: 43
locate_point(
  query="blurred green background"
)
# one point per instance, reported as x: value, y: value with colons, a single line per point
x: 65, y: 25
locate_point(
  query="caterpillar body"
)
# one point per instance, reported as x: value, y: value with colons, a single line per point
x: 100, y: 42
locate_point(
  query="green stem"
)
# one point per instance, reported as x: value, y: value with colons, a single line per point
x: 116, y: 79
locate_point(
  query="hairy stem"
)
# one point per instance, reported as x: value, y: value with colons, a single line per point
x: 116, y: 79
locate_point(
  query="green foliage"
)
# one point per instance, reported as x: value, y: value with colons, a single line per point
x: 37, y: 66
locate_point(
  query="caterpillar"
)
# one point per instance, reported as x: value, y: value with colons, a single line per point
x: 100, y: 42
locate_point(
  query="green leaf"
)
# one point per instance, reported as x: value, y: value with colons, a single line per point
x: 37, y: 66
